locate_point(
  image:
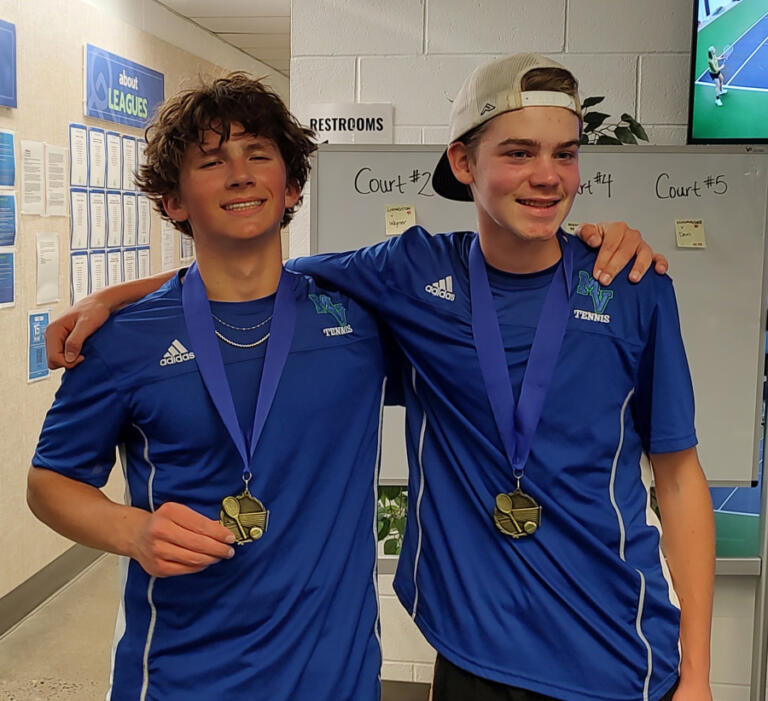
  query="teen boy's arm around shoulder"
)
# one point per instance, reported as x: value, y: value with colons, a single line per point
x: 73, y: 459
x: 689, y: 544
x: 64, y: 339
x: 65, y: 336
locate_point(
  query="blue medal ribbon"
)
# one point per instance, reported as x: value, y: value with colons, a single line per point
x: 197, y: 313
x: 517, y: 422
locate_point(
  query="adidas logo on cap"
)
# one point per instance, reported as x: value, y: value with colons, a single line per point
x: 443, y: 288
x: 176, y: 353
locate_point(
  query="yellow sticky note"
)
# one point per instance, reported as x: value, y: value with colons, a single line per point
x: 399, y: 218
x: 571, y: 227
x: 690, y: 233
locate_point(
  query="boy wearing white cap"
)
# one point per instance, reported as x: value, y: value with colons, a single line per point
x: 532, y: 559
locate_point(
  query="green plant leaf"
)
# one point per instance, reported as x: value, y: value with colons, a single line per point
x: 604, y: 140
x: 638, y: 131
x: 595, y: 119
x: 384, y: 527
x: 591, y: 101
x: 391, y: 547
x: 390, y: 492
x: 400, y: 525
x: 635, y: 126
x: 625, y: 135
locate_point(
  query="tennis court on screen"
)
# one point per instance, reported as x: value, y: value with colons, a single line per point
x: 745, y: 74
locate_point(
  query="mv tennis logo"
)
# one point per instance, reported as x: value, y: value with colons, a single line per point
x: 443, y: 288
x: 176, y: 353
x: 589, y: 287
x: 325, y: 305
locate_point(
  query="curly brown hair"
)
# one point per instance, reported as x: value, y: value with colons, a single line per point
x: 216, y: 105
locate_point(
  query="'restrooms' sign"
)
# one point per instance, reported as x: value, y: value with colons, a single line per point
x: 350, y: 123
x: 119, y: 90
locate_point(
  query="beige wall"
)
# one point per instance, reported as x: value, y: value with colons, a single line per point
x: 50, y: 36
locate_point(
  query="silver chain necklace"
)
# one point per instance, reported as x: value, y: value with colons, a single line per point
x: 241, y: 328
x: 241, y: 345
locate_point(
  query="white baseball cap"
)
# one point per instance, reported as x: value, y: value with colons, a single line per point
x: 491, y: 90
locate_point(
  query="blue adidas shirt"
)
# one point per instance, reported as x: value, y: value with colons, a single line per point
x: 294, y: 615
x: 584, y: 609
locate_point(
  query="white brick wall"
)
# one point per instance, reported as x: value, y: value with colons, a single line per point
x: 664, y: 89
x: 614, y: 77
x: 317, y: 80
x: 494, y: 26
x: 407, y: 656
x: 415, y: 54
x: 625, y: 26
x: 420, y: 87
x: 352, y: 27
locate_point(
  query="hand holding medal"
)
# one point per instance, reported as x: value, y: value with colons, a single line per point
x: 174, y: 539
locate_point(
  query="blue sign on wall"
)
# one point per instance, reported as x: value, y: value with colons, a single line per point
x: 120, y: 90
x: 7, y: 64
x: 38, y: 365
x: 7, y: 159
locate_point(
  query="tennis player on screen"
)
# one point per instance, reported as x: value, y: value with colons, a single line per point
x: 716, y: 71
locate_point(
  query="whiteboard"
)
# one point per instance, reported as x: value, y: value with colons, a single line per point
x: 720, y: 289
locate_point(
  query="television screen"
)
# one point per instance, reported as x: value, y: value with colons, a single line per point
x: 729, y: 72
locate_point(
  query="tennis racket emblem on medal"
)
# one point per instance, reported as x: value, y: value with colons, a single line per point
x: 245, y: 516
x: 516, y: 513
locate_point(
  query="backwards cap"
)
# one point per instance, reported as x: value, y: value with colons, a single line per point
x: 491, y: 90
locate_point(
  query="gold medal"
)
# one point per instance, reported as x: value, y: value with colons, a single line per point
x: 516, y: 513
x: 245, y: 516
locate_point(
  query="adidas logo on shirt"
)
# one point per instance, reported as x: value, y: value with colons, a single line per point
x: 176, y: 353
x: 443, y: 288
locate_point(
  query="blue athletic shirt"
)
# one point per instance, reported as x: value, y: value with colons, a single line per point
x: 294, y: 615
x: 584, y: 609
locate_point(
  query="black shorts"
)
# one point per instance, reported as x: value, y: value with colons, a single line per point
x: 715, y: 76
x: 454, y: 684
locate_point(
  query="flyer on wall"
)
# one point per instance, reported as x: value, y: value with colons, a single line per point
x: 37, y: 365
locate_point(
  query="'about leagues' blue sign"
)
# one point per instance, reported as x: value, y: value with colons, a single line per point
x: 7, y: 64
x: 120, y: 90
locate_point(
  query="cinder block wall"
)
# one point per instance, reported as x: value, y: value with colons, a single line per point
x: 415, y: 54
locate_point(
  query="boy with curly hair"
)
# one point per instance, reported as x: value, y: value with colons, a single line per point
x: 246, y: 403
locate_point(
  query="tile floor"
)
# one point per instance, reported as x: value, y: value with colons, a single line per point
x: 62, y: 650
